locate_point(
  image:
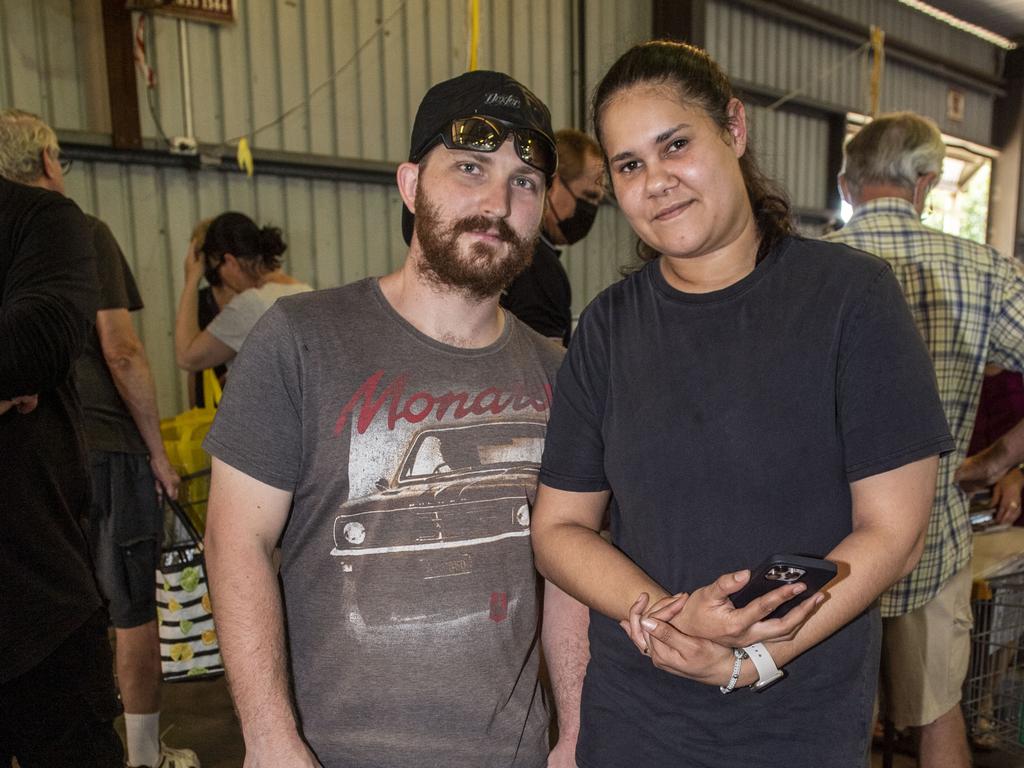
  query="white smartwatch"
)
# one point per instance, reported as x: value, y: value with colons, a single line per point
x: 767, y: 673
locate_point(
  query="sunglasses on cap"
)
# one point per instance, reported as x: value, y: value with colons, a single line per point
x: 486, y: 134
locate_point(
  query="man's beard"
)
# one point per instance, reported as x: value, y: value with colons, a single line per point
x: 480, y: 274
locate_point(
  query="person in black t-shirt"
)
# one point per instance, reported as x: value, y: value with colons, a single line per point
x: 57, y: 697
x: 541, y: 295
x: 746, y: 392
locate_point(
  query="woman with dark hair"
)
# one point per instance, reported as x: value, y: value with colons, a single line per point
x: 245, y: 258
x: 746, y: 392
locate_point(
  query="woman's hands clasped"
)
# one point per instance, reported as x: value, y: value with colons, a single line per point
x: 692, y: 635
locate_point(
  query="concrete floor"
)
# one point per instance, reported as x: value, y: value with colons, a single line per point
x: 200, y: 717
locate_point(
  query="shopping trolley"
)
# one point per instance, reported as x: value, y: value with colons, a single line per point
x: 993, y: 699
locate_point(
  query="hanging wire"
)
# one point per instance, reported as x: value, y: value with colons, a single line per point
x: 305, y: 102
x: 827, y: 73
x: 151, y: 102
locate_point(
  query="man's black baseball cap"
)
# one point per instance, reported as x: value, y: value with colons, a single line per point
x: 481, y: 93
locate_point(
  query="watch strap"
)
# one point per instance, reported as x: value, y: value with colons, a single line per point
x: 767, y: 672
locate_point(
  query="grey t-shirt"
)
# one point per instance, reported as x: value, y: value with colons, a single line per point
x: 233, y: 323
x: 410, y: 593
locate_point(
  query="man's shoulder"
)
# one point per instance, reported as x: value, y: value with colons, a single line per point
x: 548, y: 351
x: 905, y: 238
x: 308, y: 304
x: 20, y: 200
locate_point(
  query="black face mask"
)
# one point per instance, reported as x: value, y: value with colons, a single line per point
x: 574, y: 228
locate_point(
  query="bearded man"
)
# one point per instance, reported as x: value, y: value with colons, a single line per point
x: 396, y: 470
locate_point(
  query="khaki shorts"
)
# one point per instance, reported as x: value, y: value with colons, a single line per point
x: 925, y: 655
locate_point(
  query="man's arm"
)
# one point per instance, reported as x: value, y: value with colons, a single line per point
x: 245, y: 519
x: 48, y: 300
x: 986, y: 467
x: 129, y: 368
x: 566, y: 652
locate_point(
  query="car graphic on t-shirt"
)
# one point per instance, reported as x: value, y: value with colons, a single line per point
x: 457, y: 487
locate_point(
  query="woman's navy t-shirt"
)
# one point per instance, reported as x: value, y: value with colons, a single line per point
x: 729, y: 426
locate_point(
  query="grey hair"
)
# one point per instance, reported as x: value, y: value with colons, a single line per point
x: 897, y: 148
x: 23, y: 139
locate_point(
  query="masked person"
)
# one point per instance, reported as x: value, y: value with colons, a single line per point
x: 541, y: 296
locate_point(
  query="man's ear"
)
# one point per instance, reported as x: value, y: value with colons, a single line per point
x: 844, y: 189
x: 51, y: 165
x: 922, y: 187
x: 408, y: 178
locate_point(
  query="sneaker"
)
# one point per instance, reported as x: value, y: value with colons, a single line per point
x: 170, y: 757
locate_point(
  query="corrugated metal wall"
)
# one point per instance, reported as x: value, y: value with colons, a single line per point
x: 792, y: 148
x: 773, y: 53
x: 381, y: 54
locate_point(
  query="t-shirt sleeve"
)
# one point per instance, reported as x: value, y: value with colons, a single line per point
x: 233, y: 324
x: 258, y: 428
x: 888, y: 404
x: 574, y: 447
x: 117, y: 284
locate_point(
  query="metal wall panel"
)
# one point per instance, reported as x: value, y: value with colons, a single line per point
x: 387, y: 53
x: 39, y: 67
x: 336, y: 233
x: 793, y: 150
x: 908, y: 25
x: 768, y: 52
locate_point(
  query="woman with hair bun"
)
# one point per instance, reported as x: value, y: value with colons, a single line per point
x: 746, y: 392
x: 245, y: 258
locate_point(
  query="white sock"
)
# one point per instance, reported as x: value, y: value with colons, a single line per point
x: 142, y: 732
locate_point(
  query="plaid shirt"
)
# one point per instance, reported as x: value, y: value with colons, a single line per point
x: 968, y: 302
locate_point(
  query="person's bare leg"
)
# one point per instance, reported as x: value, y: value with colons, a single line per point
x: 943, y: 743
x: 138, y: 668
x: 137, y: 660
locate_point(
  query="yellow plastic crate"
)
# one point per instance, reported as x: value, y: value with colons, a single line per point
x: 183, y: 437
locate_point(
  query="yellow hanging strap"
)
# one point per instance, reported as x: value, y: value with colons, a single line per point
x: 877, y: 62
x: 474, y: 34
x: 244, y: 156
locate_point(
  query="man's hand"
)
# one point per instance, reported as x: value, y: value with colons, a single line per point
x: 23, y: 404
x: 984, y: 469
x: 1006, y: 496
x: 166, y: 478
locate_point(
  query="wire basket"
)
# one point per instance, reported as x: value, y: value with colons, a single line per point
x: 993, y: 699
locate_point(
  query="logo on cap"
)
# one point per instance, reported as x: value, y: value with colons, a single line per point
x: 502, y: 100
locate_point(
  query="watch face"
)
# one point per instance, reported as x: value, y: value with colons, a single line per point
x: 761, y: 685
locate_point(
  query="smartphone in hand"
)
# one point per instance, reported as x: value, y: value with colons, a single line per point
x: 781, y: 570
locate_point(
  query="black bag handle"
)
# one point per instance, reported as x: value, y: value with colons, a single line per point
x: 184, y: 519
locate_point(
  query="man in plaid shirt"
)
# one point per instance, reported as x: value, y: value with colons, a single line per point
x: 969, y: 305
